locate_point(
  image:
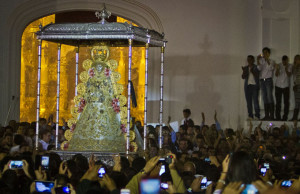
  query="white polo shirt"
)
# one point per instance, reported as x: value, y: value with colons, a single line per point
x: 283, y: 80
x: 265, y: 70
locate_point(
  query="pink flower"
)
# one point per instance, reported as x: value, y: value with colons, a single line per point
x: 116, y: 105
x: 91, y: 72
x: 66, y: 146
x: 123, y: 128
x: 82, y: 102
x: 107, y: 72
x: 80, y: 109
x: 73, y: 128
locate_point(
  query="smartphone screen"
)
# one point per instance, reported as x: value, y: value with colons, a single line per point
x: 267, y: 165
x: 45, y: 162
x: 101, y: 172
x: 62, y: 190
x: 286, y: 183
x: 162, y: 170
x: 263, y: 171
x: 43, y: 186
x: 150, y: 186
x: 203, y: 183
x: 16, y: 164
x: 125, y: 191
x: 250, y: 189
x: 164, y: 185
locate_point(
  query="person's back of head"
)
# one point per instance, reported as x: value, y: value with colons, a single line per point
x: 18, y: 139
x: 241, y: 168
x: 119, y: 178
x: 138, y: 163
x: 129, y: 173
x: 124, y: 163
x: 82, y: 162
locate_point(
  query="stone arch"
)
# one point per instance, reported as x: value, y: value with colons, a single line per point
x: 31, y: 10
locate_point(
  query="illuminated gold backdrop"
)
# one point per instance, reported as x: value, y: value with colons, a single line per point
x: 29, y: 64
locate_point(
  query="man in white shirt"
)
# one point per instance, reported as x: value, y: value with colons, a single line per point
x: 45, y: 138
x: 266, y: 68
x: 283, y: 72
x: 187, y: 121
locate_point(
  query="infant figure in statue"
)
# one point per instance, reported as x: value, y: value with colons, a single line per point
x: 99, y: 114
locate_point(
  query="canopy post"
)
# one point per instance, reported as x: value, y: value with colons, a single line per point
x: 146, y: 92
x: 76, y: 68
x: 57, y: 95
x: 38, y: 94
x: 129, y: 95
x: 161, y: 93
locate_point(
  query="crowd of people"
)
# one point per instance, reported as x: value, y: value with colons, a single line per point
x: 196, y: 159
x: 262, y: 77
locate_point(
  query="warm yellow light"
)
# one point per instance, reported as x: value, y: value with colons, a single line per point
x: 28, y: 85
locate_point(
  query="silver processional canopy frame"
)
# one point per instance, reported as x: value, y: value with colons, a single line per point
x: 115, y: 35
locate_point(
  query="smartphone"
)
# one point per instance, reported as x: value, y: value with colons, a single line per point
x: 267, y: 165
x: 286, y: 183
x: 125, y: 191
x: 164, y: 185
x: 45, y: 162
x: 150, y: 186
x: 62, y: 190
x: 162, y: 170
x: 43, y: 186
x: 263, y: 171
x: 207, y: 160
x: 101, y: 172
x: 16, y: 164
x: 250, y: 189
x: 203, y: 183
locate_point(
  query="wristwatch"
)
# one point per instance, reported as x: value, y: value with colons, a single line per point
x: 143, y: 171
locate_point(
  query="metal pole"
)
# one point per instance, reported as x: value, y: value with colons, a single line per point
x: 161, y: 93
x: 129, y: 95
x: 57, y: 95
x: 146, y: 93
x: 38, y: 95
x: 76, y: 74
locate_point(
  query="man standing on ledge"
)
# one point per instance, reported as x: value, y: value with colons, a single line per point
x: 266, y: 68
x: 283, y: 72
x: 251, y: 87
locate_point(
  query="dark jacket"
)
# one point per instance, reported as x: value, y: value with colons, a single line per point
x: 255, y: 73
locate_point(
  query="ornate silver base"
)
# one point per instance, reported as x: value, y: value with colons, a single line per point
x: 105, y: 157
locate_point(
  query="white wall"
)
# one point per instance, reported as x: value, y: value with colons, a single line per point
x: 208, y: 43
